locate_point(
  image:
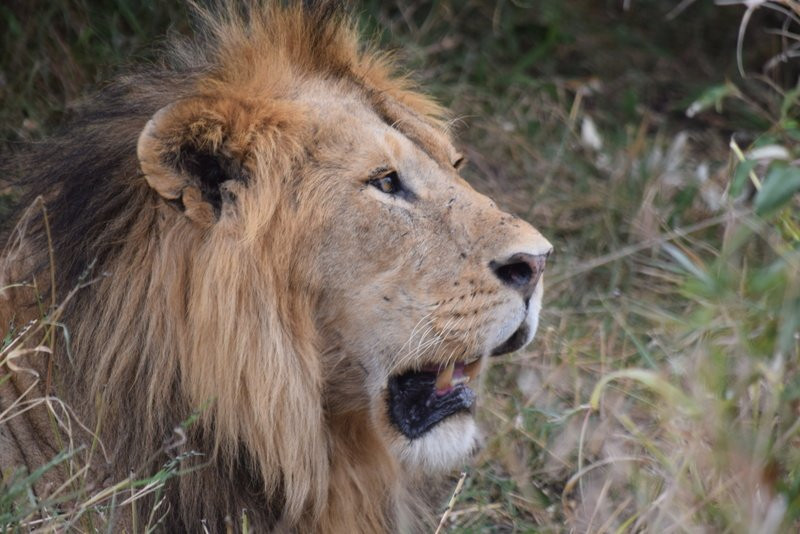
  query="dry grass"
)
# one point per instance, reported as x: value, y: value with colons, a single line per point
x: 663, y: 391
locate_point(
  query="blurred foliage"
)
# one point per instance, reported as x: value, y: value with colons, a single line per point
x: 52, y: 52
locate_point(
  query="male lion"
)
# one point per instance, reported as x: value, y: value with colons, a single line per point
x: 268, y: 231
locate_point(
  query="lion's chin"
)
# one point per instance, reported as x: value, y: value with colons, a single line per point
x: 446, y: 446
x: 431, y: 411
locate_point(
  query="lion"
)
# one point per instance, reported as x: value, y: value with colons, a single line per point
x: 263, y: 245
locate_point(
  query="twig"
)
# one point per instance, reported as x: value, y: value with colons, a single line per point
x: 643, y: 245
x: 740, y: 156
x: 452, y: 502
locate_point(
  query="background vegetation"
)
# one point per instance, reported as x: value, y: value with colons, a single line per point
x: 656, y: 144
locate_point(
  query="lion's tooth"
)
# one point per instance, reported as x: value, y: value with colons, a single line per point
x: 463, y: 379
x: 472, y: 369
x: 445, y: 377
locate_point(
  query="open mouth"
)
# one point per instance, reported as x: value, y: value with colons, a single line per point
x: 421, y: 399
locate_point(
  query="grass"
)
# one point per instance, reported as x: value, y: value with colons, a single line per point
x: 663, y: 391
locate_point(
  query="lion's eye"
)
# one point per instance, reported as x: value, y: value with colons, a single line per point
x: 459, y: 162
x: 388, y: 183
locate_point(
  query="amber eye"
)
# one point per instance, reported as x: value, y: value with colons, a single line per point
x: 388, y: 183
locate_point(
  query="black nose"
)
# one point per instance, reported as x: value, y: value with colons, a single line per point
x: 520, y: 272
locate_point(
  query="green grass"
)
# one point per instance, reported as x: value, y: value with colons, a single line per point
x: 663, y: 390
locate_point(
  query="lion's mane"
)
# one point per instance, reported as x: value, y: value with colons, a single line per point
x: 170, y: 313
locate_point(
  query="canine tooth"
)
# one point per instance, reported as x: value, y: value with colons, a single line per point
x: 471, y: 370
x: 464, y: 379
x: 445, y: 377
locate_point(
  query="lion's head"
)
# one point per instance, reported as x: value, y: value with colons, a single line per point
x: 294, y: 247
x: 413, y: 276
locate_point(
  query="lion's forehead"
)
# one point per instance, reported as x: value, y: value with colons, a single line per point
x: 344, y: 119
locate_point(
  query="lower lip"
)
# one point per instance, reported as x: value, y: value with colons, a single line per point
x: 514, y: 341
x: 416, y: 407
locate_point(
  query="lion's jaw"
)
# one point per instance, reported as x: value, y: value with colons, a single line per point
x: 449, y: 281
x: 455, y: 439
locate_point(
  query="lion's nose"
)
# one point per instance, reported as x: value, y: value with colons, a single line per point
x: 520, y: 272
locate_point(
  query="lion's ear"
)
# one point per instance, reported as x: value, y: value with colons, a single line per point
x: 194, y: 153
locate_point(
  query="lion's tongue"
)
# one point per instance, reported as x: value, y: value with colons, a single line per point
x: 454, y: 374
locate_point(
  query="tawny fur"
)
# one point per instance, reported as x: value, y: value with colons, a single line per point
x: 216, y: 303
